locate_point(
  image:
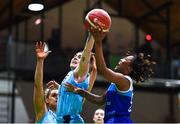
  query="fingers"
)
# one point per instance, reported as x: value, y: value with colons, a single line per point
x: 40, y: 45
x: 98, y: 33
x: 43, y: 45
x: 92, y: 53
x: 49, y: 83
x: 51, y: 87
x: 48, y: 52
x: 52, y: 84
x: 96, y: 29
x: 68, y: 85
x: 36, y: 45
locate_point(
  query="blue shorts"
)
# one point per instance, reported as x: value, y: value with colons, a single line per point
x: 118, y: 119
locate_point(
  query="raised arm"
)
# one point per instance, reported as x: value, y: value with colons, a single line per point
x: 100, y: 100
x: 38, y: 97
x: 83, y: 67
x: 107, y: 73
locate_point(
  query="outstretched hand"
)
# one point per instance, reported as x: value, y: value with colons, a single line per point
x: 53, y: 85
x: 71, y: 88
x: 98, y: 34
x: 40, y: 53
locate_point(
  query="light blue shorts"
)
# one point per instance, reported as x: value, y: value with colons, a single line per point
x: 73, y: 119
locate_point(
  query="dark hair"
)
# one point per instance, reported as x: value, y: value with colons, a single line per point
x: 142, y: 67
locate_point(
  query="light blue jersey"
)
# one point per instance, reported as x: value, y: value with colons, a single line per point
x: 70, y: 103
x: 118, y: 104
x: 49, y: 117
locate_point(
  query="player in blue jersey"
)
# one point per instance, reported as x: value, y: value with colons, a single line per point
x: 44, y: 104
x: 118, y: 98
x: 69, y: 105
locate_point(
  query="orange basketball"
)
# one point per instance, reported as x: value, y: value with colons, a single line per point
x: 98, y: 17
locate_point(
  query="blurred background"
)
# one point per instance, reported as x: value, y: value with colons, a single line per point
x: 150, y: 26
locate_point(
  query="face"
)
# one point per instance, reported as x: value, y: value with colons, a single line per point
x: 75, y: 60
x: 124, y: 65
x: 52, y: 99
x: 99, y: 116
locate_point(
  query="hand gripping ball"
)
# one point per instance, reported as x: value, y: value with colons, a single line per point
x: 98, y: 17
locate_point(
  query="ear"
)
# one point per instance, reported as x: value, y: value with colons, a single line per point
x: 94, y: 119
x: 129, y: 69
x: 47, y: 100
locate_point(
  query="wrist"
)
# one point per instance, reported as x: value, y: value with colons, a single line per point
x: 80, y: 92
x: 98, y: 42
x: 40, y: 60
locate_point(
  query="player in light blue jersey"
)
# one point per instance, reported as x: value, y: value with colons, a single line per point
x: 98, y: 117
x: 69, y: 105
x: 44, y: 104
x: 118, y: 98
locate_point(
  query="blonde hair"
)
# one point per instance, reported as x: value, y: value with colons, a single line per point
x: 47, y: 92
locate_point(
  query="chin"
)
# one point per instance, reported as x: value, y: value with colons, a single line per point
x: 118, y: 70
x: 99, y: 122
x: 73, y: 67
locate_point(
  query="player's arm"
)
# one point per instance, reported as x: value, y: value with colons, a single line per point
x: 38, y: 97
x: 100, y: 100
x: 83, y: 66
x: 93, y: 73
x: 106, y: 72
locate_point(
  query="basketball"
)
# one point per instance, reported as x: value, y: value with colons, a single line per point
x: 98, y: 17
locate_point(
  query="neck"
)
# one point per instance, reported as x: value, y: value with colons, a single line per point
x: 52, y: 109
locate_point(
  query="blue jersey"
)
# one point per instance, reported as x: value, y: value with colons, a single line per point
x: 70, y: 103
x: 49, y: 117
x: 118, y: 104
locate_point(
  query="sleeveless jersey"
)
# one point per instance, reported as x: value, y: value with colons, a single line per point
x: 70, y: 103
x: 118, y: 104
x: 49, y: 117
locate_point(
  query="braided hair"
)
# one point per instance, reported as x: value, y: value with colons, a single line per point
x: 142, y: 67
